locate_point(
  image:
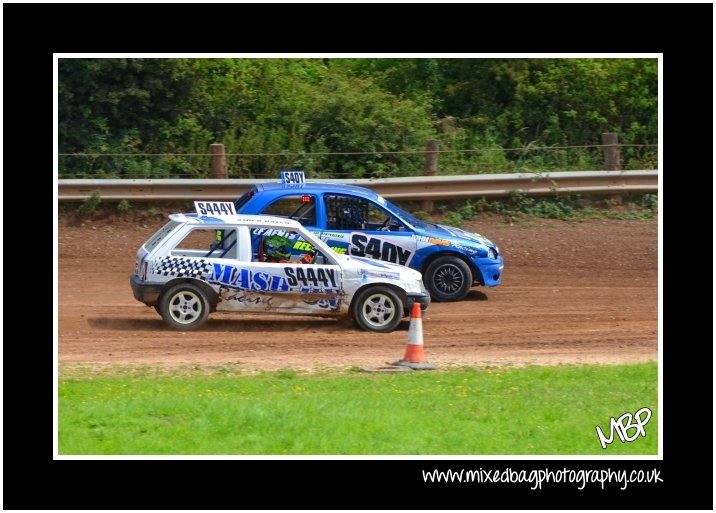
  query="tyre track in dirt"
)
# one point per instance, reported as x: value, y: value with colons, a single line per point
x: 572, y: 293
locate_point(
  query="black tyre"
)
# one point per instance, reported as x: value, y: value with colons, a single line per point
x: 184, y: 307
x: 377, y: 309
x: 448, y: 278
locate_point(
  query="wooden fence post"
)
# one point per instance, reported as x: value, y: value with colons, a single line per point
x: 218, y: 161
x: 431, y: 169
x: 612, y: 161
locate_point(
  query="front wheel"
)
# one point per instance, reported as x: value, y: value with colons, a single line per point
x: 448, y: 278
x: 377, y: 309
x: 184, y: 307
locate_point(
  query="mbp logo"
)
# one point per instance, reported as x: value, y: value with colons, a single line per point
x: 623, y: 424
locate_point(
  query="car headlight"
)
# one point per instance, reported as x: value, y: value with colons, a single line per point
x: 492, y: 253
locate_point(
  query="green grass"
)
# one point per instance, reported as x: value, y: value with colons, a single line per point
x: 534, y: 410
x: 89, y: 206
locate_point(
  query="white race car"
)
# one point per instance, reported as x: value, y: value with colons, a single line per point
x: 215, y: 260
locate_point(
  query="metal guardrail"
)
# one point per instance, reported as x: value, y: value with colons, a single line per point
x: 410, y: 188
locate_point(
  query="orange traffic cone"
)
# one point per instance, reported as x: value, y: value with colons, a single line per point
x: 414, y: 354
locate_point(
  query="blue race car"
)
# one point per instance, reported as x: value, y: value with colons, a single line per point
x: 358, y: 222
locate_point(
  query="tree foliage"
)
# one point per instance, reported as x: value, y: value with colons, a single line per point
x: 291, y: 113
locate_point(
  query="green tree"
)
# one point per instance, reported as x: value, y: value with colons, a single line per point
x: 285, y: 109
x: 523, y: 103
x: 121, y: 106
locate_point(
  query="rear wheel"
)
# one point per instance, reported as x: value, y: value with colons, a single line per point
x: 377, y: 309
x: 448, y: 278
x: 184, y: 307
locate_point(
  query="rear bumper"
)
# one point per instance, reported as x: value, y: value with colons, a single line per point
x: 147, y: 293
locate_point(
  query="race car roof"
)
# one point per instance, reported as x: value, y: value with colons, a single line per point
x: 240, y: 219
x: 317, y: 188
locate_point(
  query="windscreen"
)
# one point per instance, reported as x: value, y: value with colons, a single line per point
x: 409, y: 218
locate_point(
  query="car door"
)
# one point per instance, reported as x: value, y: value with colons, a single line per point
x: 222, y: 258
x: 283, y: 273
x: 364, y: 228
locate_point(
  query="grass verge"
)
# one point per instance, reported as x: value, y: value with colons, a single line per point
x: 564, y: 207
x: 533, y: 410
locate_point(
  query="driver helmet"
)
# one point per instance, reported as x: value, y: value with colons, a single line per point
x: 277, y: 247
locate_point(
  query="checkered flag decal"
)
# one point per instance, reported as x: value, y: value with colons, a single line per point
x: 182, y: 266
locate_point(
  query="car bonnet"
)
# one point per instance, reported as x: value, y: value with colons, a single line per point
x: 443, y: 231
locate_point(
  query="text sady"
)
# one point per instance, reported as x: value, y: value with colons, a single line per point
x: 378, y: 249
x: 294, y: 277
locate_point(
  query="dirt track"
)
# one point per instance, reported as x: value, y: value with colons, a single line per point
x: 571, y: 293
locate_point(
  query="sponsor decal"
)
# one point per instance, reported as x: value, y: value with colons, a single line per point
x: 243, y: 297
x: 331, y: 239
x: 333, y: 236
x: 466, y: 249
x: 296, y: 278
x: 331, y: 303
x: 268, y: 232
x: 302, y: 245
x: 373, y: 247
x: 321, y: 279
x: 467, y: 235
x: 181, y: 266
x: 246, y: 279
x: 383, y: 274
x: 432, y: 240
